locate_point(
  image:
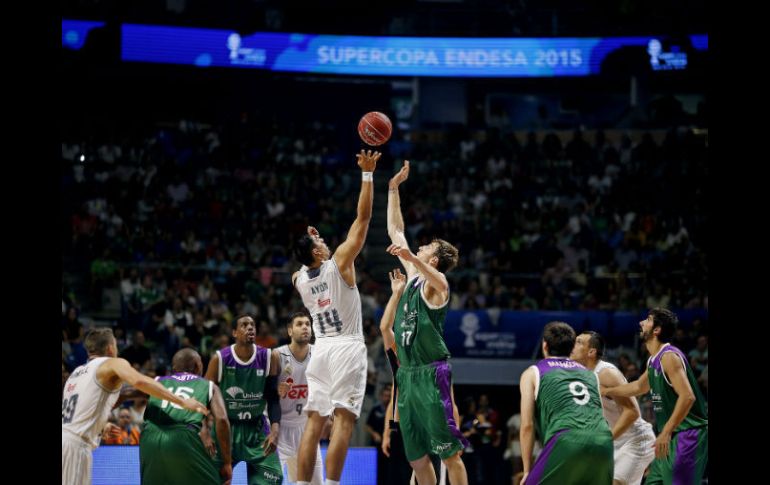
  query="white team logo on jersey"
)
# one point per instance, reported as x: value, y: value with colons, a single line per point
x: 234, y: 391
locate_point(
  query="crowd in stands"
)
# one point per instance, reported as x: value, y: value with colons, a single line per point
x: 193, y: 224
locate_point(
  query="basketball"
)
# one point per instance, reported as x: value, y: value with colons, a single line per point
x: 375, y: 128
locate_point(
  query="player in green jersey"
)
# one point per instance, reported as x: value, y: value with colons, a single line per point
x: 170, y: 450
x: 560, y: 401
x: 424, y: 379
x: 241, y: 371
x: 681, y: 449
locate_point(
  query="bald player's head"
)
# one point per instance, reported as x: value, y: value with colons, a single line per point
x: 187, y: 360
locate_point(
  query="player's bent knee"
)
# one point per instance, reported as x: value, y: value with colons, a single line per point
x: 452, y: 460
x: 345, y: 415
x: 421, y: 463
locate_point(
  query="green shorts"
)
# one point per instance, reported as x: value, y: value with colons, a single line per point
x: 573, y: 457
x: 688, y: 454
x: 175, y: 454
x: 246, y: 445
x: 426, y: 417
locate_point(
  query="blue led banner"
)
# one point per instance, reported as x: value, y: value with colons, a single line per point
x: 74, y: 32
x: 119, y: 465
x: 388, y: 56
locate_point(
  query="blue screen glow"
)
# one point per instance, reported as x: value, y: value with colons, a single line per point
x: 385, y: 56
x: 74, y: 32
x: 119, y: 465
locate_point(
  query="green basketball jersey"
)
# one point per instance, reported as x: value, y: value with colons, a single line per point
x: 184, y: 385
x: 419, y: 328
x: 664, y: 397
x: 243, y: 383
x: 567, y: 398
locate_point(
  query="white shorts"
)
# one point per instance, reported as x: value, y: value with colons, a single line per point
x: 632, y: 457
x: 288, y: 447
x: 76, y: 458
x: 336, y: 376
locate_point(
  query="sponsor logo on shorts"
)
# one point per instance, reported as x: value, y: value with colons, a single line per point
x: 442, y: 447
x: 270, y: 476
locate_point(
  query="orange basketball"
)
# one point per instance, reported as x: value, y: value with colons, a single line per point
x: 375, y: 128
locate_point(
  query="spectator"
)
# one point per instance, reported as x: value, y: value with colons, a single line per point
x: 137, y: 354
x: 265, y: 337
x: 699, y: 356
x: 128, y: 433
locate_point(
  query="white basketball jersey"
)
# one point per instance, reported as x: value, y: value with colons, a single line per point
x: 86, y: 405
x: 334, y: 306
x: 292, y: 372
x: 612, y: 409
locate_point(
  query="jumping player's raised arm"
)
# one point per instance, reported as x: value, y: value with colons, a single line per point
x: 396, y: 228
x: 437, y: 284
x: 346, y: 253
x: 397, y: 284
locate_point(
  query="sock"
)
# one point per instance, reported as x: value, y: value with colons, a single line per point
x: 332, y: 482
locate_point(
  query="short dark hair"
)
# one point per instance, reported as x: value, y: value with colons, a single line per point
x: 447, y: 255
x: 666, y: 320
x: 303, y: 249
x: 98, y: 339
x: 184, y: 361
x: 560, y: 338
x: 234, y: 322
x: 298, y: 314
x: 596, y: 342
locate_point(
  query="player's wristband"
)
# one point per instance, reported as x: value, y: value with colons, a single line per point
x: 367, y: 176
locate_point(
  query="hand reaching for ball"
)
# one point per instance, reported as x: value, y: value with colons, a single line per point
x: 367, y: 160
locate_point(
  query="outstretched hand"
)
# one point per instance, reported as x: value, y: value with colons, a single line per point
x: 397, y: 281
x: 402, y: 252
x: 283, y: 389
x: 368, y: 160
x: 312, y: 231
x: 400, y: 176
x: 192, y: 405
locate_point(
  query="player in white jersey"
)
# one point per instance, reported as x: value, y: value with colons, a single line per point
x: 292, y: 361
x: 632, y: 436
x: 336, y: 376
x: 90, y: 394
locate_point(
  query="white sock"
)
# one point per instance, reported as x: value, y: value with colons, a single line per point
x: 332, y: 482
